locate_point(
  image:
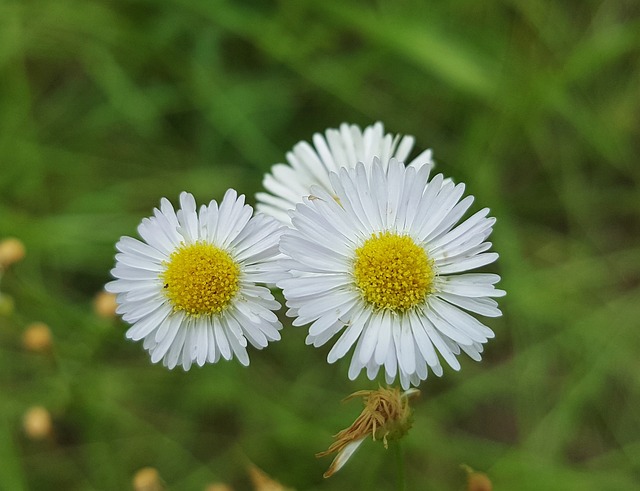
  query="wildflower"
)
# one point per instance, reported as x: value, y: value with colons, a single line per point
x: 287, y: 184
x: 379, y: 260
x: 190, y: 289
x: 386, y: 416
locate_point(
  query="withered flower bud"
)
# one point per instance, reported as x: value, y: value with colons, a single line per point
x: 386, y: 416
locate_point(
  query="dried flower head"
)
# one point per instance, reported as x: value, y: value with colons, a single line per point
x: 386, y: 416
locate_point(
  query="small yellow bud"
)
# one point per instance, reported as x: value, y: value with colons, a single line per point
x: 147, y: 479
x: 37, y: 423
x: 218, y: 486
x: 104, y: 305
x: 11, y: 251
x: 262, y: 481
x: 477, y: 481
x: 37, y: 337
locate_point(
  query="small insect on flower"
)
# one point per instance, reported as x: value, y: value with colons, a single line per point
x: 386, y: 416
x: 190, y: 290
x: 381, y: 262
x: 309, y: 165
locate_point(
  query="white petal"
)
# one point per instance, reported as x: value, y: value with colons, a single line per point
x: 384, y: 337
x: 187, y: 217
x: 203, y: 344
x: 171, y: 359
x: 407, y: 357
x: 474, y: 328
x: 343, y: 456
x: 446, y: 329
x: 479, y: 305
x: 440, y: 344
x: 351, y: 334
x: 370, y: 338
x: 129, y: 245
x: 221, y: 340
x: 172, y: 325
x: 147, y: 325
x: 468, y: 263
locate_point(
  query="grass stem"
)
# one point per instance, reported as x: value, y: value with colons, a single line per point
x: 400, y: 467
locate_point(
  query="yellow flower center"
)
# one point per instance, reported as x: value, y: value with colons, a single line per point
x: 200, y: 279
x: 393, y: 272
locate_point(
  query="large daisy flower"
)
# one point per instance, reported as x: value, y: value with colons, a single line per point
x: 189, y: 288
x: 288, y: 183
x: 381, y: 261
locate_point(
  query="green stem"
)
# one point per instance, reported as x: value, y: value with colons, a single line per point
x: 402, y: 485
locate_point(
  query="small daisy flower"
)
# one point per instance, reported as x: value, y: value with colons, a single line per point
x: 189, y: 290
x: 343, y: 147
x: 380, y: 262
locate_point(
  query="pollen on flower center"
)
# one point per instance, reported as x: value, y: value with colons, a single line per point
x: 393, y: 272
x: 200, y: 279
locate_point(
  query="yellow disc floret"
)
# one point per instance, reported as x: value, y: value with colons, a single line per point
x: 393, y: 272
x: 200, y: 279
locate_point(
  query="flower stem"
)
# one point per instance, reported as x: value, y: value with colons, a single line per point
x: 402, y: 485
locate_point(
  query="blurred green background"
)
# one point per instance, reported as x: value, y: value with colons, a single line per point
x: 105, y: 107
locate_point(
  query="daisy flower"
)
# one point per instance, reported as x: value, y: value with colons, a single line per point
x: 189, y: 288
x: 381, y: 262
x: 310, y: 165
